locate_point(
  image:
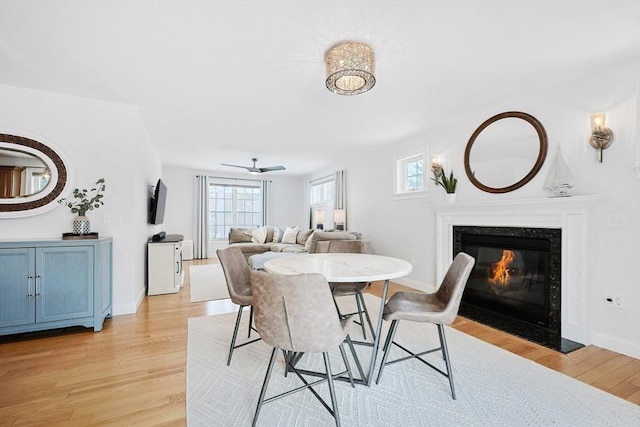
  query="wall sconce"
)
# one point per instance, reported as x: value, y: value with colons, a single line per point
x: 601, y: 137
x: 319, y: 218
x: 339, y: 218
x: 436, y: 167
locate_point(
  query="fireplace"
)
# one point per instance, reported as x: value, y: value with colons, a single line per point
x: 515, y: 284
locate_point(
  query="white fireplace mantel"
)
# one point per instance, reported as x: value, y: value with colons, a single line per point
x: 570, y: 214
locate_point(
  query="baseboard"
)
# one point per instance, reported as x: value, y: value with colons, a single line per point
x: 617, y: 344
x: 415, y: 284
x: 119, y: 309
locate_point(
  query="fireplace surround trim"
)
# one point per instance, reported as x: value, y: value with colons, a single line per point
x: 570, y: 214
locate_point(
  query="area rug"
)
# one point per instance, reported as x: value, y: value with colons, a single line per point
x: 207, y: 282
x: 494, y: 387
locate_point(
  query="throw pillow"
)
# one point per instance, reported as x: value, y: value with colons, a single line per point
x: 278, y: 233
x: 239, y: 235
x: 290, y: 235
x: 258, y: 235
x: 303, y: 235
x: 312, y: 239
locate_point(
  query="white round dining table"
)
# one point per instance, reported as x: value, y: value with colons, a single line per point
x: 339, y: 267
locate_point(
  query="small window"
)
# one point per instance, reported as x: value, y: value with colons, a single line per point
x: 413, y: 175
x: 409, y: 175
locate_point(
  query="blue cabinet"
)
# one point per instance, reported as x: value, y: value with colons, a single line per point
x: 55, y: 283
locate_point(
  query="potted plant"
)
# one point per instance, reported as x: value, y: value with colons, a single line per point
x: 84, y: 200
x: 449, y: 183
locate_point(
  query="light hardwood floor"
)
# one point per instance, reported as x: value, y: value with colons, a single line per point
x: 133, y: 372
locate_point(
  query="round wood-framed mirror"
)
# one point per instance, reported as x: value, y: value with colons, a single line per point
x: 505, y: 152
x: 25, y: 160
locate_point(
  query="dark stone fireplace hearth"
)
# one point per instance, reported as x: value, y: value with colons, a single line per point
x: 515, y: 285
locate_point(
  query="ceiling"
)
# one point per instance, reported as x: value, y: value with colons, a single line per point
x: 224, y: 81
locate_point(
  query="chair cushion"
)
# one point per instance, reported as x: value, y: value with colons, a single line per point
x: 417, y: 307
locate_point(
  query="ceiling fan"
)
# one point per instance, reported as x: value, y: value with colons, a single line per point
x: 256, y: 170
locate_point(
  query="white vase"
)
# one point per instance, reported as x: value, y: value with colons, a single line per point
x: 81, y: 224
x: 451, y: 198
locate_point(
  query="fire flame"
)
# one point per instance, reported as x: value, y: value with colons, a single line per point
x: 500, y: 269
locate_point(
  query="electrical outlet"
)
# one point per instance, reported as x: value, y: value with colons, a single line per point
x: 614, y: 300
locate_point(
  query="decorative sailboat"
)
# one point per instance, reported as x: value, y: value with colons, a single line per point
x: 560, y: 178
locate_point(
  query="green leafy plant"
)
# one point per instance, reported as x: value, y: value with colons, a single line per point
x: 86, y: 200
x: 448, y: 183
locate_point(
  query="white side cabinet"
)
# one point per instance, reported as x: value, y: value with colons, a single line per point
x: 165, y: 266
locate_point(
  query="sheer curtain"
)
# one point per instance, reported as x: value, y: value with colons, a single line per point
x: 201, y: 241
x: 266, y: 189
x: 340, y: 201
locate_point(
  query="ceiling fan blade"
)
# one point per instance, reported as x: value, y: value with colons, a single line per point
x: 272, y: 168
x: 237, y: 166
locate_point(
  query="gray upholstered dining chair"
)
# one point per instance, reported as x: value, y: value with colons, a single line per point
x: 440, y: 308
x: 295, y: 314
x: 237, y: 274
x: 351, y: 288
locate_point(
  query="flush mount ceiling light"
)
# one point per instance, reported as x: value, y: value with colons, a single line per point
x: 350, y: 68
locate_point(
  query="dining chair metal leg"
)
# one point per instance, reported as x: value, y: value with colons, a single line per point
x: 250, y: 322
x: 361, y: 308
x: 263, y: 392
x: 332, y: 391
x: 346, y: 364
x: 235, y: 335
x: 233, y: 345
x: 355, y: 357
x: 337, y: 308
x: 387, y: 347
x: 362, y: 325
x: 366, y: 314
x: 447, y: 361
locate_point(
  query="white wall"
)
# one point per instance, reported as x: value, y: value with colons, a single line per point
x: 405, y: 228
x: 98, y: 140
x: 287, y: 200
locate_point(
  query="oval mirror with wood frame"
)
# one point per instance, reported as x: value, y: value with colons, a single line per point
x: 505, y: 152
x: 32, y: 176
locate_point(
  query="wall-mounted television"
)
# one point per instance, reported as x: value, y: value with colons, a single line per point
x: 158, y: 203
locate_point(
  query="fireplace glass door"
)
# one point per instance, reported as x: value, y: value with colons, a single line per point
x: 510, y: 276
x: 516, y: 274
